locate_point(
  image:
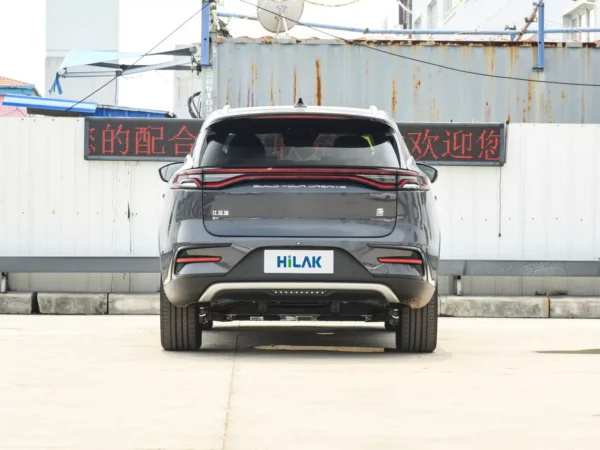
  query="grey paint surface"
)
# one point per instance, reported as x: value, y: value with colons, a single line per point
x: 103, y: 383
x: 332, y: 73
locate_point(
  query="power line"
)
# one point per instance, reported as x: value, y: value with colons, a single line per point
x: 332, y: 5
x: 141, y: 57
x: 429, y: 63
x: 327, y: 5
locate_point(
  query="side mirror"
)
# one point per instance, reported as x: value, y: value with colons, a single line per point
x: 166, y: 172
x: 431, y: 173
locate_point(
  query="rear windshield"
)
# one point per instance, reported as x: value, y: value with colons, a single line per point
x: 303, y: 142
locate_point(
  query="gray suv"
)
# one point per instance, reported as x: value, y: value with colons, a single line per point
x: 299, y: 213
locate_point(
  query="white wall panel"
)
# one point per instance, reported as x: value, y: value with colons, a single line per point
x: 54, y: 203
x: 543, y: 204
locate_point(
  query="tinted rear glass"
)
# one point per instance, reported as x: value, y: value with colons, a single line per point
x: 299, y: 142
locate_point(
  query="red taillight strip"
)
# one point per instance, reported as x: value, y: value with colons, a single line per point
x: 407, y: 179
x: 224, y: 183
x: 198, y: 259
x: 288, y: 173
x: 187, y: 176
x: 350, y: 171
x: 399, y: 261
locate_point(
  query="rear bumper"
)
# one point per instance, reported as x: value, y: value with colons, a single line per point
x: 394, y: 291
x: 358, y: 275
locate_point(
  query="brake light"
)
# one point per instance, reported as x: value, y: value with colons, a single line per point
x: 392, y: 260
x: 220, y: 178
x: 198, y: 259
x: 376, y: 178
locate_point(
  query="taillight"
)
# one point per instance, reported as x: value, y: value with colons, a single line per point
x: 409, y: 180
x: 392, y: 260
x: 187, y: 179
x: 198, y: 259
x: 376, y: 178
x: 191, y: 256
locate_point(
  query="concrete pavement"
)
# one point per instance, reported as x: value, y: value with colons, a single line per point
x: 103, y: 382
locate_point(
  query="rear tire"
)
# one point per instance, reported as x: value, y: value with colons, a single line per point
x: 417, y: 331
x: 179, y: 327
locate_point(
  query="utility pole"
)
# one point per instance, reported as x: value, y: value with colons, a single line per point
x: 529, y: 20
x: 405, y: 18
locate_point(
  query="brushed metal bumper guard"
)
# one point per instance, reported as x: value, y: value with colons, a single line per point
x: 216, y: 288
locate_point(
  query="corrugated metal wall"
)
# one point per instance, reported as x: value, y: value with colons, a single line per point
x: 544, y: 204
x: 259, y: 73
x: 54, y: 203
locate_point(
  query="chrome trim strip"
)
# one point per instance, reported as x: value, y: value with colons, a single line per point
x: 214, y: 289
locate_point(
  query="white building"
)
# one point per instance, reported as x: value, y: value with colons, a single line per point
x: 484, y: 15
x: 74, y: 24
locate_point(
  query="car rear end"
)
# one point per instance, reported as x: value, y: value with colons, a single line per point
x: 300, y: 215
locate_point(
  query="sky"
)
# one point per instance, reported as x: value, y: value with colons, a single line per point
x: 143, y: 23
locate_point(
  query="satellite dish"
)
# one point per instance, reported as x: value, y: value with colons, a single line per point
x: 278, y: 15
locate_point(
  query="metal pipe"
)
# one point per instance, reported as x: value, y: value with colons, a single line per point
x: 541, y: 48
x: 376, y: 30
x: 568, y: 30
x: 432, y: 32
x: 165, y: 65
x: 98, y: 73
x: 205, y: 43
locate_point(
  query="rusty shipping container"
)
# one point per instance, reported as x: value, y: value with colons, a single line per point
x: 392, y: 76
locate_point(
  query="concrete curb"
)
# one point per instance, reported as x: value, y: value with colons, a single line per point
x: 499, y: 307
x: 61, y: 303
x: 16, y: 303
x: 134, y: 304
x: 450, y: 306
x: 575, y: 307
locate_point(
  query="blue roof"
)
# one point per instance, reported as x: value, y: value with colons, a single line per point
x: 23, y: 89
x: 82, y: 108
x: 51, y: 104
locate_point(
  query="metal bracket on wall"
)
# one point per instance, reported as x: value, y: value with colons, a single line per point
x: 457, y: 286
x: 541, y: 36
x: 3, y: 283
x: 205, y: 42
